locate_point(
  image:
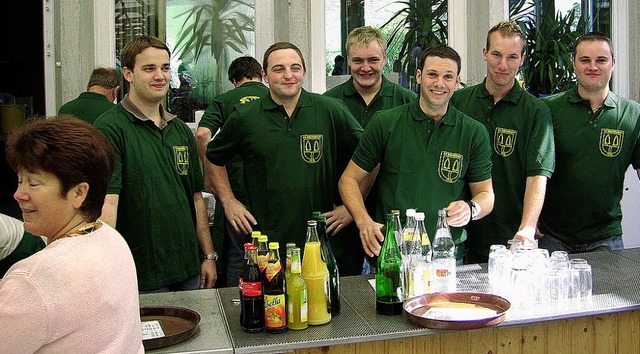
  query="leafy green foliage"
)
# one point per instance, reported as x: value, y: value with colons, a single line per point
x: 548, y: 66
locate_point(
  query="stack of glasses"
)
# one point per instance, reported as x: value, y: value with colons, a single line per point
x: 527, y: 275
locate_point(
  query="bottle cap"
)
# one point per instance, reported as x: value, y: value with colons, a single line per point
x: 290, y: 245
x: 255, y: 234
x: 312, y: 223
x: 274, y: 245
x: 252, y: 248
x: 263, y: 238
x: 419, y: 216
x: 411, y: 212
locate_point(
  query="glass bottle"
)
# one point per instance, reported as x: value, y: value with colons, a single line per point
x: 252, y: 299
x: 254, y: 237
x: 330, y: 260
x: 443, y: 263
x: 287, y: 271
x: 297, y: 306
x: 406, y: 250
x: 274, y: 289
x: 389, y: 274
x: 316, y: 276
x: 263, y: 252
x: 242, y: 269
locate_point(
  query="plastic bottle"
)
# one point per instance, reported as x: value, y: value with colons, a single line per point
x: 443, y: 264
x: 263, y: 252
x: 330, y: 260
x: 316, y: 276
x: 287, y: 271
x: 389, y: 275
x: 252, y: 299
x: 421, y: 259
x: 297, y: 305
x: 274, y: 289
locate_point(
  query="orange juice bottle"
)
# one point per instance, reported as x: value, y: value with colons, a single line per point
x: 316, y: 276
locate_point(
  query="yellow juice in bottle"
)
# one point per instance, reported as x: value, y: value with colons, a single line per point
x: 316, y: 276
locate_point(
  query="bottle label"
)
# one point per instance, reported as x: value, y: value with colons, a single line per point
x: 275, y: 311
x: 262, y: 263
x: 425, y: 239
x: 252, y: 289
x: 272, y: 269
x: 240, y: 284
x: 304, y: 305
x: 442, y: 273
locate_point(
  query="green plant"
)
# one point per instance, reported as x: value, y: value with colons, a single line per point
x: 419, y: 25
x: 548, y: 64
x: 214, y: 28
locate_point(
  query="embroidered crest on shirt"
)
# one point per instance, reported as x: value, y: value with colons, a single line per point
x: 247, y: 99
x: 504, y: 141
x: 181, y: 158
x: 611, y: 142
x: 311, y: 147
x: 450, y: 166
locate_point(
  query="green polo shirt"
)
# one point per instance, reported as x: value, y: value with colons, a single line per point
x: 88, y: 106
x: 389, y: 96
x: 214, y: 117
x: 593, y: 152
x: 521, y: 136
x: 28, y: 245
x: 290, y: 164
x: 156, y: 175
x: 422, y: 165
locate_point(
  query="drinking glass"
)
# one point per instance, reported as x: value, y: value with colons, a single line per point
x: 581, y: 280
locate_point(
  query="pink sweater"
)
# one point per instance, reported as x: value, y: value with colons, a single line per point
x: 77, y: 295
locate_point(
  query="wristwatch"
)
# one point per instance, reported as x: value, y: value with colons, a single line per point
x: 212, y: 256
x: 475, y: 209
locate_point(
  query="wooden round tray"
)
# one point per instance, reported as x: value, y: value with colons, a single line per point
x: 178, y: 324
x: 456, y: 310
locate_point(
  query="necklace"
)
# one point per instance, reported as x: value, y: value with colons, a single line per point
x: 80, y: 231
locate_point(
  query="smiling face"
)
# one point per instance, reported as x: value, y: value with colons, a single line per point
x: 150, y: 77
x: 284, y: 73
x: 594, y: 65
x: 366, y: 65
x: 504, y: 57
x: 438, y: 80
x: 46, y: 210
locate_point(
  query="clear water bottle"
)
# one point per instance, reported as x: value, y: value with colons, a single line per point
x: 420, y: 272
x: 443, y: 263
x: 408, y: 249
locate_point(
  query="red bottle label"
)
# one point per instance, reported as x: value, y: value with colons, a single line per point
x: 275, y: 312
x: 252, y: 289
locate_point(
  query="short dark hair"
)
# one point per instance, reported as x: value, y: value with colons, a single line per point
x: 136, y: 46
x: 441, y: 51
x: 105, y: 77
x: 244, y: 67
x: 593, y: 37
x: 280, y: 46
x: 73, y: 150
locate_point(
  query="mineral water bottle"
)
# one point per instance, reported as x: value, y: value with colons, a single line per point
x: 420, y: 259
x: 406, y: 249
x: 443, y: 263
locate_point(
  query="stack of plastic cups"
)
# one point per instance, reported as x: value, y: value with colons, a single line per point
x: 499, y: 268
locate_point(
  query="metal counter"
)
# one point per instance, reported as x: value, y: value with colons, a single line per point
x: 616, y: 278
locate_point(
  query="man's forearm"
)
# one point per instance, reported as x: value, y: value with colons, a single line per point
x: 536, y: 187
x: 202, y: 225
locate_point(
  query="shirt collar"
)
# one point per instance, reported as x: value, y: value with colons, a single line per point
x: 450, y: 118
x: 304, y: 100
x: 611, y: 101
x: 513, y: 96
x: 386, y: 88
x: 130, y: 107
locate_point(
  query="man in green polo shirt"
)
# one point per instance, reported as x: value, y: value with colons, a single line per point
x: 154, y: 199
x: 597, y: 138
x: 428, y: 154
x: 365, y: 93
x: 521, y: 135
x: 102, y: 90
x: 292, y: 143
x: 245, y: 73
